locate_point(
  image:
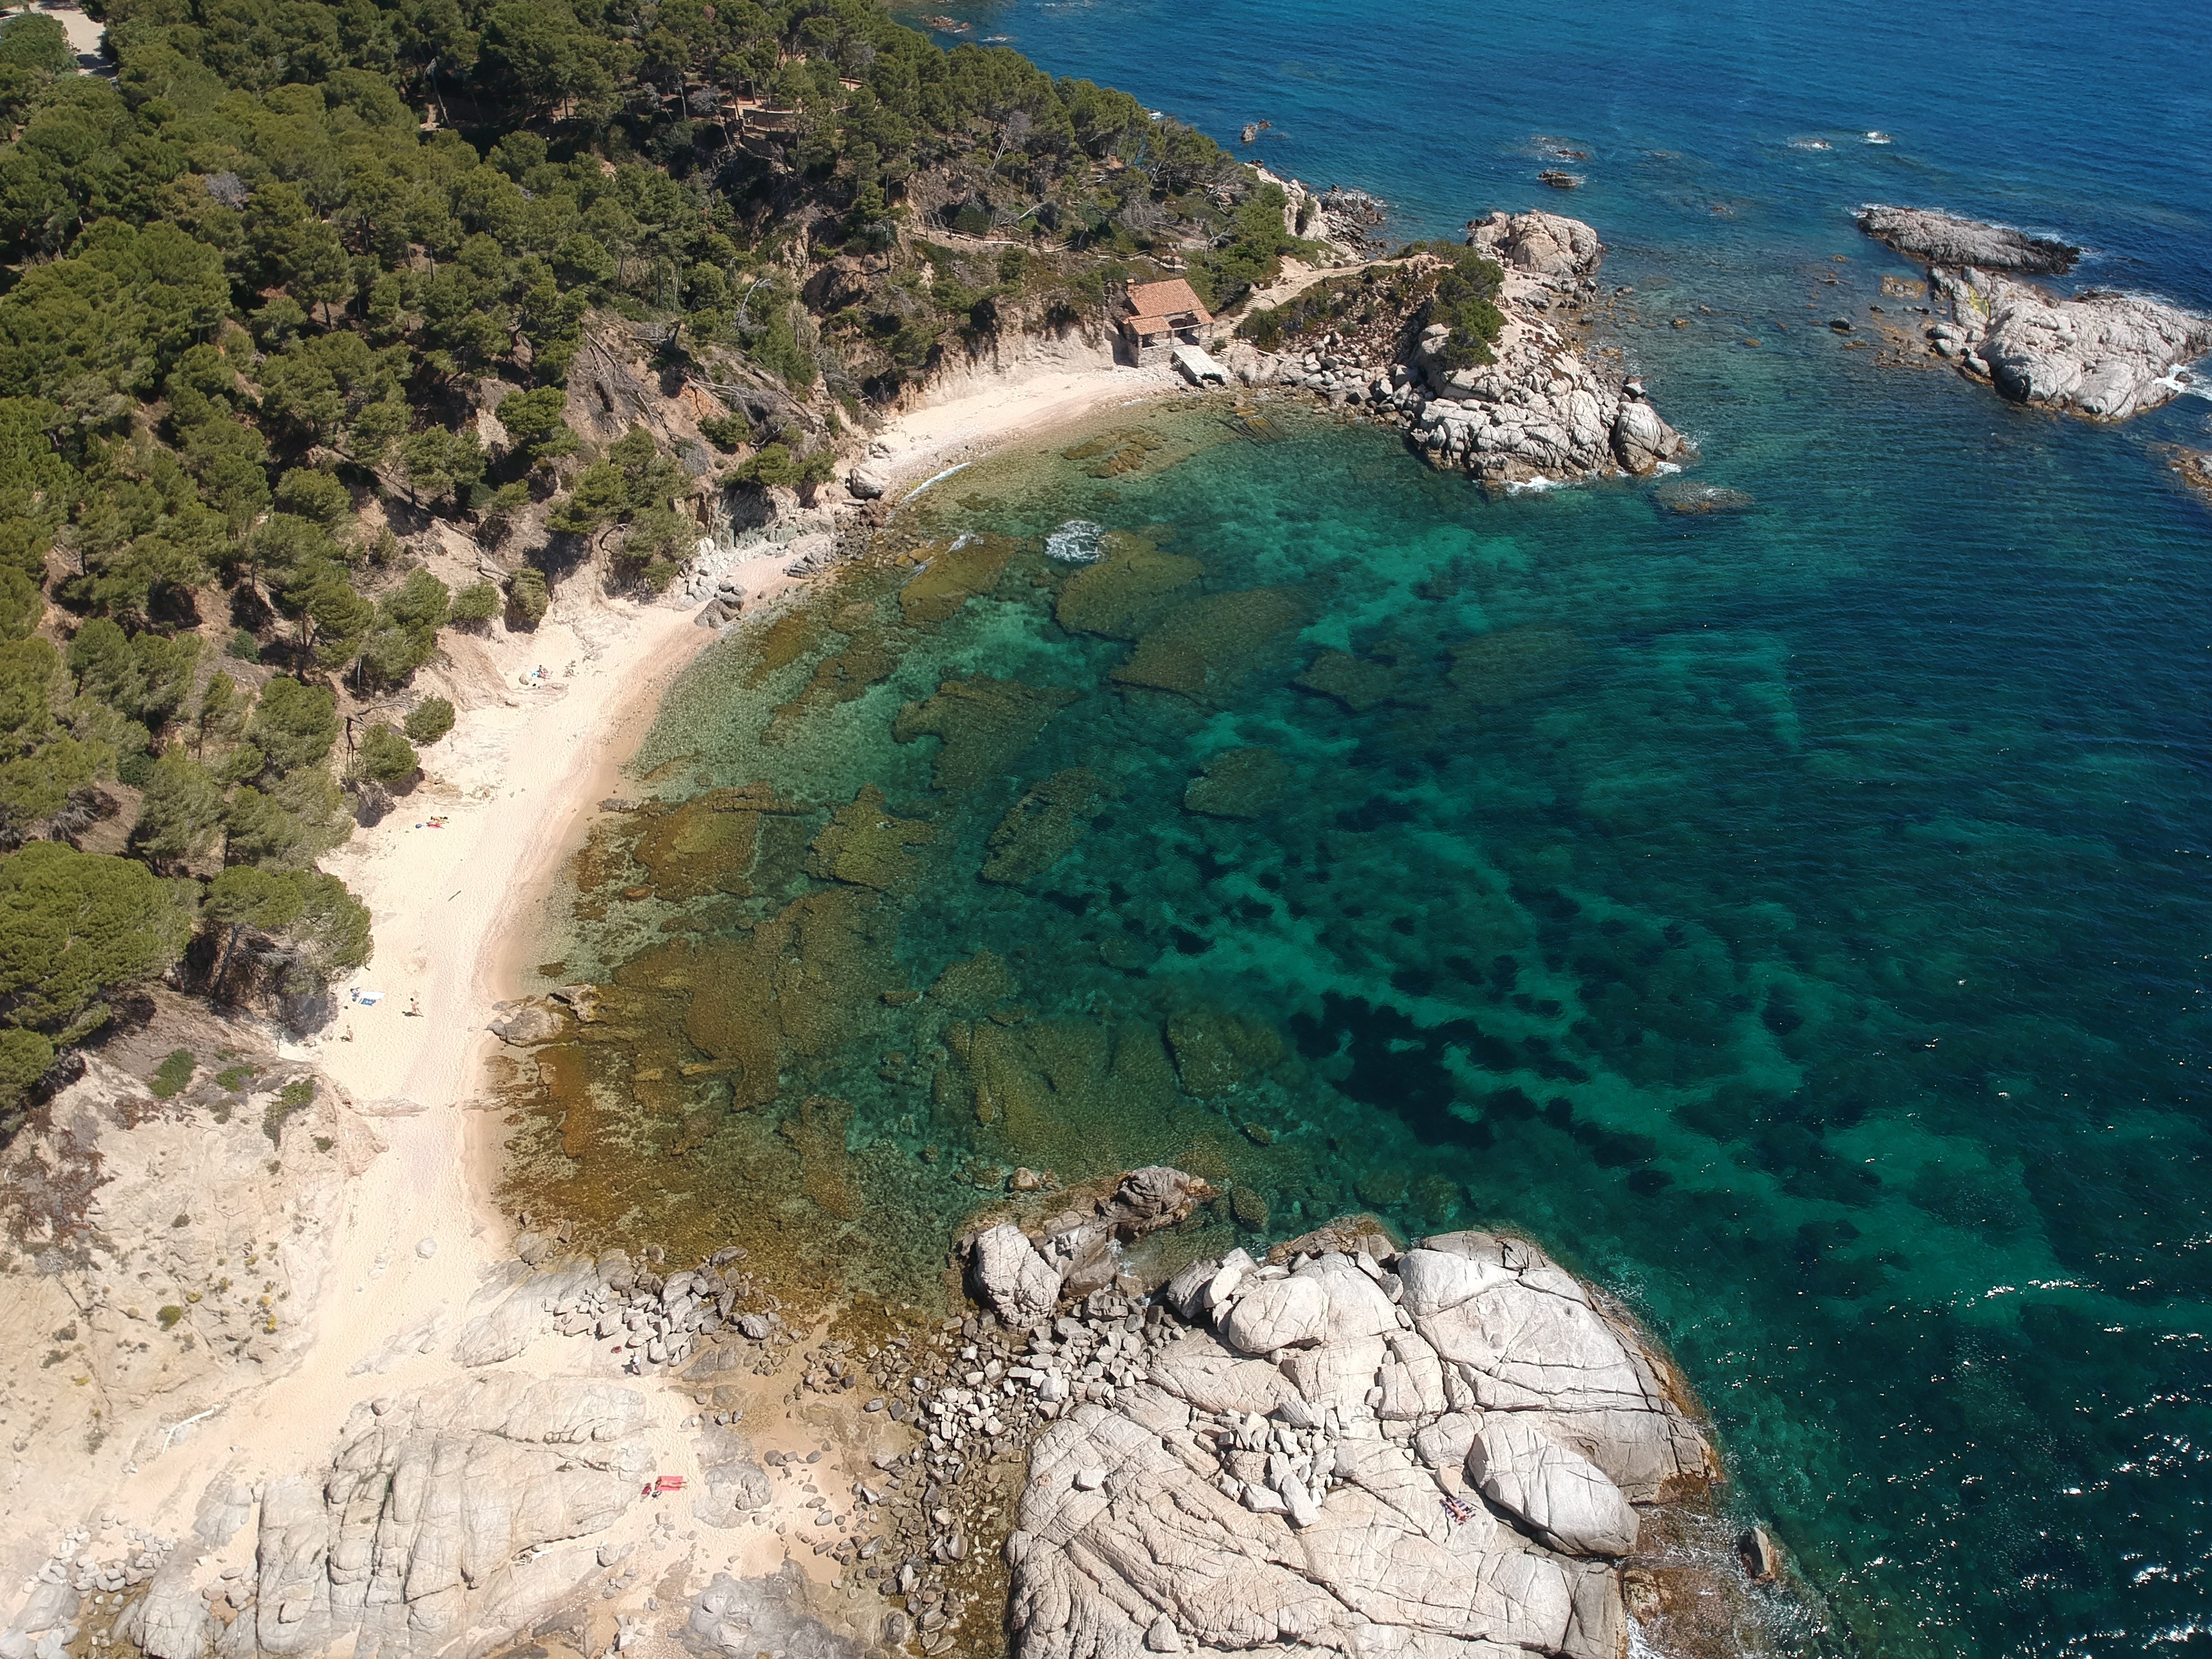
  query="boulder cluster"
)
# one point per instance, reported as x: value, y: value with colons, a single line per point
x: 1346, y: 1449
x: 650, y: 1322
x: 47, y: 1625
x: 2097, y: 353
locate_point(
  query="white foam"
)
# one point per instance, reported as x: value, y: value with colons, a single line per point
x: 1879, y: 138
x: 1075, y: 542
x: 938, y: 477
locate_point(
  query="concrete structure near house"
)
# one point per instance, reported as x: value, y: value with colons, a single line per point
x: 1158, y: 316
x: 1198, y: 368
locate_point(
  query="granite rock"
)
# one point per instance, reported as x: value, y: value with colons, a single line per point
x: 1546, y: 244
x: 1942, y: 238
x: 1438, y: 1453
x: 1561, y: 1496
x: 2100, y: 355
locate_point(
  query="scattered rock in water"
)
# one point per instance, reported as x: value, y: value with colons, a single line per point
x: 2194, y: 468
x: 1943, y: 238
x: 1689, y: 496
x: 1558, y: 178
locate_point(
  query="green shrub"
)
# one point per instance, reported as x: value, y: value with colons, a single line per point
x: 1465, y: 302
x: 169, y: 1316
x: 428, y: 721
x: 726, y: 432
x: 772, y: 468
x: 528, y: 597
x: 24, y: 1057
x: 234, y: 1078
x: 386, y: 756
x: 243, y: 646
x: 175, y: 1072
x: 295, y: 1096
x: 478, y: 603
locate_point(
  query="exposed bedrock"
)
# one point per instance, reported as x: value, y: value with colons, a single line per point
x: 1541, y: 409
x: 1438, y: 1451
x: 2097, y: 353
x: 430, y: 1517
x: 1942, y: 239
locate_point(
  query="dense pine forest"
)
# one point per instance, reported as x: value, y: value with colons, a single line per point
x: 297, y: 277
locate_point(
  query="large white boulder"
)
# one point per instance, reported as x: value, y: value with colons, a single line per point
x: 1565, y: 1498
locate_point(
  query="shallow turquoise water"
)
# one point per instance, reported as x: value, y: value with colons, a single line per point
x: 1802, y: 919
x: 1803, y: 925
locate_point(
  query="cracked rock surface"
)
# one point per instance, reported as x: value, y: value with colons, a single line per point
x: 426, y: 1521
x: 1439, y: 1451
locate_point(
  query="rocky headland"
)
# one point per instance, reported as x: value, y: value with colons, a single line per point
x: 1132, y: 1447
x: 1345, y: 1448
x: 1541, y: 409
x: 2096, y: 354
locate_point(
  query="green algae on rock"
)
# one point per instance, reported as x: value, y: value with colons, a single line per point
x: 1118, y: 594
x: 1044, y: 825
x: 1203, y: 647
x: 1239, y: 783
x: 863, y: 845
x: 1358, y: 682
x: 985, y: 725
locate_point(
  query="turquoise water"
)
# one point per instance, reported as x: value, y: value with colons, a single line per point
x: 1800, y: 918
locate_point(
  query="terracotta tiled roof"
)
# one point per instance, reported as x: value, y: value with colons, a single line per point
x: 1154, y: 303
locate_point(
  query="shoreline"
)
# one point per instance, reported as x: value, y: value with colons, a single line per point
x: 456, y: 876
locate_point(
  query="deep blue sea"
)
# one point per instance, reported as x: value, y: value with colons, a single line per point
x: 1801, y: 919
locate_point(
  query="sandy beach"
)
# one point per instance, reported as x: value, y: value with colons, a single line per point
x: 454, y: 876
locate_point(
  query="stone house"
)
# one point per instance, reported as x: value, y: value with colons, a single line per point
x: 1157, y: 316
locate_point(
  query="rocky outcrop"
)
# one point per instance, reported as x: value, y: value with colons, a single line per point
x: 171, y: 1252
x: 430, y: 1517
x: 645, y: 1321
x: 2099, y: 354
x: 2096, y: 354
x: 1350, y: 1453
x: 1541, y: 244
x: 1941, y: 239
x: 745, y: 1617
x: 1082, y: 1247
x: 1540, y: 409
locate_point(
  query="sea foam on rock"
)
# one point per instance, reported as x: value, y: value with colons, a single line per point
x: 1350, y: 1449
